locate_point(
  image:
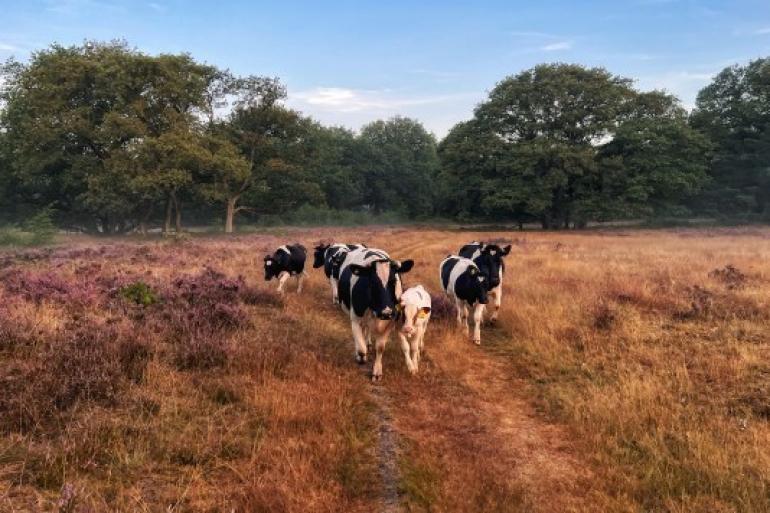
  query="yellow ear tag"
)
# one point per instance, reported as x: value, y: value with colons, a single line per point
x: 399, y: 307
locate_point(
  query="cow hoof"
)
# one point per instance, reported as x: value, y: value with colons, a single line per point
x: 376, y: 378
x: 361, y: 358
x: 477, y: 342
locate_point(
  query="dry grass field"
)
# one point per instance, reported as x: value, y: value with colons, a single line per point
x: 629, y: 372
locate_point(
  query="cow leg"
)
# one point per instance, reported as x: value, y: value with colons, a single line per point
x: 335, y: 299
x: 417, y: 347
x: 497, y: 292
x: 282, y: 281
x: 300, y: 279
x: 464, y: 316
x: 459, y: 308
x: 478, y: 316
x: 359, y: 341
x: 379, y: 346
x: 405, y: 347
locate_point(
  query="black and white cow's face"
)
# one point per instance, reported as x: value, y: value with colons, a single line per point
x: 490, y: 262
x: 271, y: 268
x: 384, y: 284
x: 319, y: 255
x: 479, y: 288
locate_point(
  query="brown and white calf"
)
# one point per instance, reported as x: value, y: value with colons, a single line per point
x: 414, y: 314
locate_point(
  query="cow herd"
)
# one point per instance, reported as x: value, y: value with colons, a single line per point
x: 367, y: 284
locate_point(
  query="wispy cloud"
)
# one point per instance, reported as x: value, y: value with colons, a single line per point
x: 529, y: 33
x: 684, y: 84
x: 5, y: 47
x: 762, y: 31
x: 356, y: 100
x: 558, y: 46
x: 78, y: 6
x: 356, y: 107
x: 157, y: 7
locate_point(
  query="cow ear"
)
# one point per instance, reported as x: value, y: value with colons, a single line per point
x: 405, y: 266
x: 267, y: 257
x: 425, y: 310
x: 506, y: 249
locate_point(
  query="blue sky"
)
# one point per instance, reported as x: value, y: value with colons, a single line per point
x: 352, y: 62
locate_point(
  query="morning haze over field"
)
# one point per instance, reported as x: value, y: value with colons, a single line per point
x: 389, y: 257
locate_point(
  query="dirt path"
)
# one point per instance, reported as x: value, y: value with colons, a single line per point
x: 387, y: 447
x: 471, y: 422
x: 538, y: 453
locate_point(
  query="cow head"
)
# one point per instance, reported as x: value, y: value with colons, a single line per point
x: 479, y: 286
x: 410, y: 312
x: 271, y: 268
x: 319, y: 255
x: 384, y: 284
x: 490, y: 263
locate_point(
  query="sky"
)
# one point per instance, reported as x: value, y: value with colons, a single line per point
x: 351, y: 62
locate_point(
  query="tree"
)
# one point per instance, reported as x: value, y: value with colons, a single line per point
x: 334, y: 158
x: 734, y: 112
x: 273, y: 140
x: 223, y: 175
x: 402, y: 163
x: 651, y: 167
x: 565, y: 144
x: 75, y: 115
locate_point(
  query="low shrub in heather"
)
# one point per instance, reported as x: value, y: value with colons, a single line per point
x: 442, y: 308
x: 200, y: 311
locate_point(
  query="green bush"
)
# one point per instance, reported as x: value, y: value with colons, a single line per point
x: 37, y: 230
x: 139, y: 293
x: 41, y: 228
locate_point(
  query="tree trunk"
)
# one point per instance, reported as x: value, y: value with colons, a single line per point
x: 167, y: 222
x: 178, y: 212
x: 230, y: 214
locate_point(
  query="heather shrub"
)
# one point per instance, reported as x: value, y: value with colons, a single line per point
x: 731, y: 276
x: 200, y: 311
x: 134, y: 356
x: 442, y: 308
x: 84, y: 365
x: 36, y: 286
x: 257, y: 296
x: 16, y: 329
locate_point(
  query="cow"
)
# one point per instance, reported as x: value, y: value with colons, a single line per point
x: 489, y: 259
x: 369, y: 290
x: 330, y: 256
x: 467, y: 286
x: 288, y: 260
x: 414, y: 314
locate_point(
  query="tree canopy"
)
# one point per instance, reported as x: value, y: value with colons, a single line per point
x: 111, y: 139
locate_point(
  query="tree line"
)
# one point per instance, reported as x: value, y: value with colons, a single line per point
x: 110, y: 140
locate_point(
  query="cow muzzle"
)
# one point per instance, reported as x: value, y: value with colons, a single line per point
x: 386, y: 314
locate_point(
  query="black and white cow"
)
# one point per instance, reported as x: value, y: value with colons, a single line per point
x: 369, y: 290
x: 288, y: 260
x: 330, y: 257
x: 489, y: 259
x: 467, y: 286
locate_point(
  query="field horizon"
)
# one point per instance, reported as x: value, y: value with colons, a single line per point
x: 628, y: 372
